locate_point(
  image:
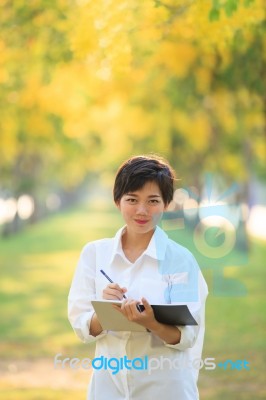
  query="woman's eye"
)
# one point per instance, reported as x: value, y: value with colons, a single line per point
x: 134, y: 201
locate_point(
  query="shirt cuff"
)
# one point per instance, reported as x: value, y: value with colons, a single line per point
x: 85, y: 322
x: 187, y: 339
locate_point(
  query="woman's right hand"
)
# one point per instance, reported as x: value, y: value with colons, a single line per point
x: 114, y: 292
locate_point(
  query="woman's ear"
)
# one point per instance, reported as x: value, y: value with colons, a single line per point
x: 117, y: 203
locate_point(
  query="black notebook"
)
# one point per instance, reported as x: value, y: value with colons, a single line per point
x: 111, y: 319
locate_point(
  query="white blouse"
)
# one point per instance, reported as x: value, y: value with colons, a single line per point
x: 165, y: 273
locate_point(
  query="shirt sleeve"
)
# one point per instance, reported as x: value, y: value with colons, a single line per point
x: 188, y: 338
x: 82, y: 291
x: 192, y: 334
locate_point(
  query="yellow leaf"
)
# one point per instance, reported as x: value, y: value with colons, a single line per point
x: 177, y: 57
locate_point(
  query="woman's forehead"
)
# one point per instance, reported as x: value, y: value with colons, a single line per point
x: 150, y: 188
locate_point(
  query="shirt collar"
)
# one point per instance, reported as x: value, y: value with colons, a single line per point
x: 157, y: 245
x: 156, y: 248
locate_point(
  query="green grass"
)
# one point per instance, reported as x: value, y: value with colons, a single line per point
x: 37, y: 266
x: 41, y: 394
x: 36, y: 271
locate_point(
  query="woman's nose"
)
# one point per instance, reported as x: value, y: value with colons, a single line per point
x: 142, y: 209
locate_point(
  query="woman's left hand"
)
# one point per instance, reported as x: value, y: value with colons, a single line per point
x: 129, y: 310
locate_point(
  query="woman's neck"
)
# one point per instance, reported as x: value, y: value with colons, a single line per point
x: 135, y: 244
x: 135, y: 241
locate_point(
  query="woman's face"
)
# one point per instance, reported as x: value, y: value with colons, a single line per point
x: 143, y: 208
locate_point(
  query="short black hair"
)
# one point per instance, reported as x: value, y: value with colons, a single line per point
x: 135, y: 172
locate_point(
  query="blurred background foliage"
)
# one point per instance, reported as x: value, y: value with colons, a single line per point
x: 85, y: 84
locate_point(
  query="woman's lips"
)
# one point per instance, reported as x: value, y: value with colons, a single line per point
x: 141, y: 221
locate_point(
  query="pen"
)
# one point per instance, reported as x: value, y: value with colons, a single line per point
x: 109, y: 279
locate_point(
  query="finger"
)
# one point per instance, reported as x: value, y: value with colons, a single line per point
x: 108, y: 296
x: 134, y: 308
x: 112, y: 294
x: 108, y: 290
x: 114, y: 286
x: 146, y: 304
x: 128, y: 308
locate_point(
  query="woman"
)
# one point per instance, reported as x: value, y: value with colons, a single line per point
x: 149, y: 268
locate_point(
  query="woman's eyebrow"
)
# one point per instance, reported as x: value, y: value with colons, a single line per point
x: 150, y: 196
